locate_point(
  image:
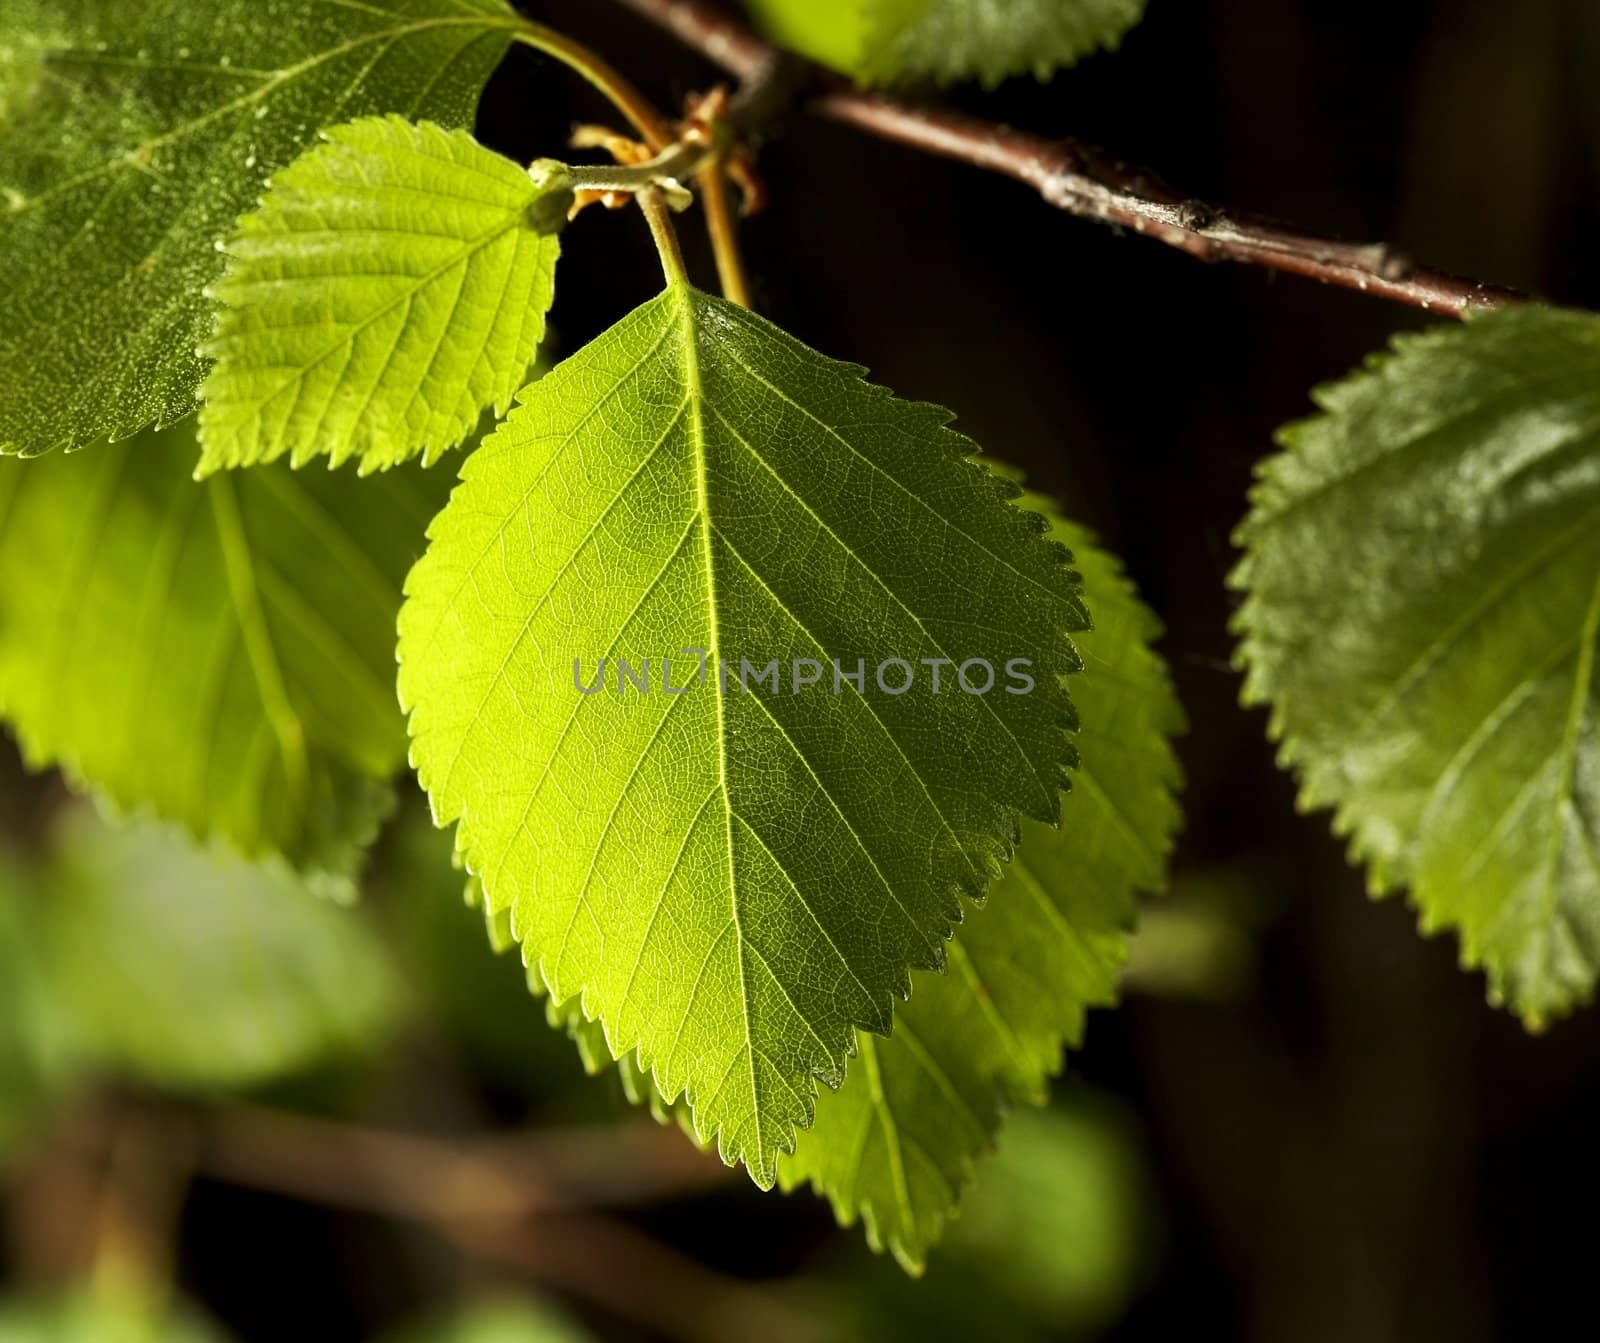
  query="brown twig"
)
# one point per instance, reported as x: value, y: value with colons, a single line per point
x: 454, y: 1180
x: 521, y: 1202
x: 1084, y: 181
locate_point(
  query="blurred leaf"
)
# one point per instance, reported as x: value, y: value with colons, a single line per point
x: 320, y: 351
x: 896, y: 1143
x: 102, y: 1317
x: 220, y: 655
x: 1061, y: 1224
x: 1052, y: 1243
x: 137, y: 132
x: 194, y: 969
x: 1423, y: 575
x: 472, y: 992
x: 26, y: 1062
x: 524, y: 1320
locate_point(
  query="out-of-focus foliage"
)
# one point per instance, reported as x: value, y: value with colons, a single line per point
x: 1051, y: 1243
x: 524, y: 1320
x: 103, y: 1316
x: 219, y: 654
x: 26, y: 1026
x: 193, y: 969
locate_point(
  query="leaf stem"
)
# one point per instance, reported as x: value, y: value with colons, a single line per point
x: 1084, y: 181
x: 665, y: 236
x: 724, y: 230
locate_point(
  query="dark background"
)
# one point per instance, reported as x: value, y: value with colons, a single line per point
x: 1346, y: 1141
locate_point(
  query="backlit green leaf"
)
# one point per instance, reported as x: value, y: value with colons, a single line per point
x: 991, y: 40
x: 220, y: 654
x: 393, y: 284
x: 1423, y: 570
x: 889, y: 41
x: 136, y: 133
x: 734, y: 882
x: 896, y: 1145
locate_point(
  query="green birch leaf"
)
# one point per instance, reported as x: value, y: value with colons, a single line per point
x: 992, y: 40
x: 896, y: 1145
x: 1423, y: 576
x: 898, y: 41
x: 320, y: 349
x: 733, y: 882
x: 194, y: 969
x: 217, y: 654
x: 137, y: 132
x: 844, y: 35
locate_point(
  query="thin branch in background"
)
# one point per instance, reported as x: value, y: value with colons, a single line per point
x: 523, y: 1203
x: 1085, y: 181
x: 450, y: 1179
x: 520, y: 1202
x: 617, y: 1267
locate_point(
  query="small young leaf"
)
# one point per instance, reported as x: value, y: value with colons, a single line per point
x: 392, y: 285
x: 734, y: 882
x: 1423, y: 571
x: 194, y: 969
x: 896, y: 1145
x: 220, y: 653
x: 135, y: 134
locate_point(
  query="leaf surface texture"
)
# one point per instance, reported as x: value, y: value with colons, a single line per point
x: 393, y: 285
x: 137, y: 132
x: 733, y: 882
x: 896, y: 1145
x: 1422, y: 564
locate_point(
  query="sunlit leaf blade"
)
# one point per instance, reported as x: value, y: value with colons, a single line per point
x: 845, y: 35
x: 218, y: 654
x: 896, y: 41
x: 393, y: 284
x: 196, y: 969
x: 733, y: 882
x: 1423, y: 576
x: 896, y: 1145
x: 140, y: 130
